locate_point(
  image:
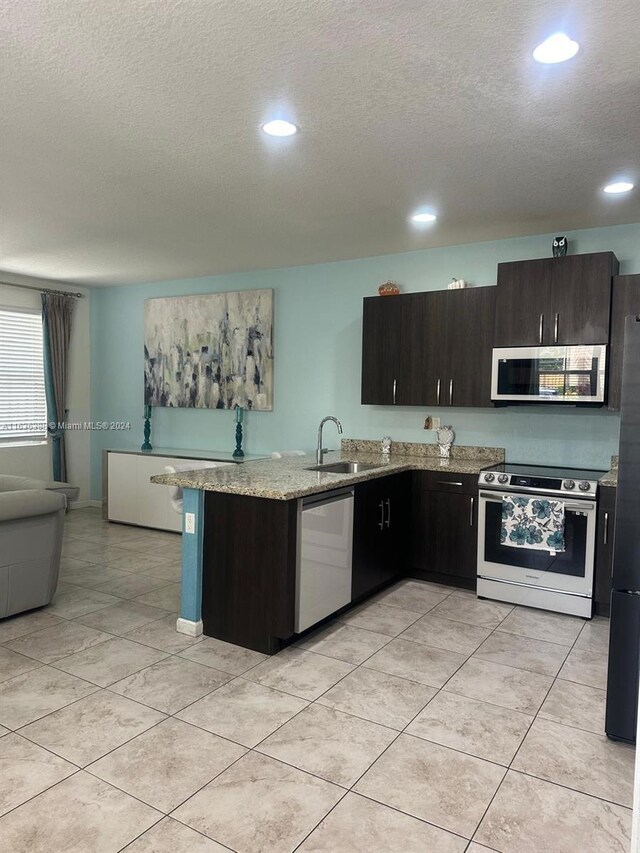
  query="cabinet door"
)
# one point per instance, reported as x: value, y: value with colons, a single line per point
x: 421, y: 374
x: 381, y: 346
x: 581, y: 299
x: 523, y: 303
x: 380, y: 532
x: 469, y: 322
x: 604, y: 550
x: 154, y: 501
x: 445, y: 541
x: 122, y: 501
x: 625, y: 301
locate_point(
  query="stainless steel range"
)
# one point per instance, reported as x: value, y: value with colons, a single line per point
x: 561, y: 581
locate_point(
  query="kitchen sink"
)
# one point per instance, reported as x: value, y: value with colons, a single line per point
x: 344, y: 467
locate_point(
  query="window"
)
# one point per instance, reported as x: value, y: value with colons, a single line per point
x: 23, y: 406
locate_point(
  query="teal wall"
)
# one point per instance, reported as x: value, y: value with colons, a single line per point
x: 318, y: 315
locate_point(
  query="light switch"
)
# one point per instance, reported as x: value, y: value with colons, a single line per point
x: 189, y: 522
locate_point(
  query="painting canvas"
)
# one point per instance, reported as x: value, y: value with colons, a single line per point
x: 210, y: 351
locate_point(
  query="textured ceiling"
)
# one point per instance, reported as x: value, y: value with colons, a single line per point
x: 130, y: 149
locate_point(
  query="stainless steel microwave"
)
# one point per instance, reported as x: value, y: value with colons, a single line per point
x: 549, y: 374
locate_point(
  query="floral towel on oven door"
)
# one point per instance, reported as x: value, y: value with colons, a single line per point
x: 535, y: 523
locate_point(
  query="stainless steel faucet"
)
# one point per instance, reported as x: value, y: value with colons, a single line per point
x: 322, y: 450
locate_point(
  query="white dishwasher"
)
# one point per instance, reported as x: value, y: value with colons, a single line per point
x: 325, y: 545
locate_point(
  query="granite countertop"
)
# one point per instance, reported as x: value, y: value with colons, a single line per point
x: 611, y: 477
x: 287, y: 478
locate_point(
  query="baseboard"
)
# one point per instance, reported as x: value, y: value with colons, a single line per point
x: 186, y: 626
x: 84, y: 504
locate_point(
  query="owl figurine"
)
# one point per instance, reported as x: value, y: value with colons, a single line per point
x: 559, y: 246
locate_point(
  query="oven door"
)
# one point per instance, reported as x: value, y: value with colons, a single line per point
x: 555, y: 374
x: 568, y: 571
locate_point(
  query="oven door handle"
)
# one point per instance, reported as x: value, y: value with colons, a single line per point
x: 587, y: 506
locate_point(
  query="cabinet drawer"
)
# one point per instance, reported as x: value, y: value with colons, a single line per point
x: 447, y: 481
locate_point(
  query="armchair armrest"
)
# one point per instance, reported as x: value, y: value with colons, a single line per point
x: 27, y: 503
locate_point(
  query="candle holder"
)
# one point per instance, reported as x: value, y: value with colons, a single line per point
x: 238, y: 453
x: 146, y: 444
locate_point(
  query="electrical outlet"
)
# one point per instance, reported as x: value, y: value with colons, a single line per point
x: 435, y: 423
x: 189, y: 522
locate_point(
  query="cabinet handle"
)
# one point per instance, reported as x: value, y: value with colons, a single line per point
x: 541, y: 329
x: 605, y: 537
x: 471, y: 506
x: 555, y: 329
x: 448, y: 483
x: 381, y: 522
x: 388, y: 512
x: 395, y: 383
x: 451, y: 392
x: 438, y: 393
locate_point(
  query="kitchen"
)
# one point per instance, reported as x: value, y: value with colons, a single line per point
x: 354, y: 569
x: 301, y: 543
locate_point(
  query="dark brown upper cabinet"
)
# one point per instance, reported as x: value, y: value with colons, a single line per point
x: 625, y: 301
x: 428, y: 349
x: 381, y: 349
x: 555, y: 300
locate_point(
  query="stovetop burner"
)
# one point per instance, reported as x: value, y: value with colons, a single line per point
x: 547, y: 471
x: 515, y: 477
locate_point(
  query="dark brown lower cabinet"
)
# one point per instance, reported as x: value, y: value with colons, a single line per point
x: 249, y: 570
x: 381, y: 530
x: 444, y: 528
x: 604, y: 550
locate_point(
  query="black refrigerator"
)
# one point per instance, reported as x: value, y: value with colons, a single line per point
x: 624, y: 645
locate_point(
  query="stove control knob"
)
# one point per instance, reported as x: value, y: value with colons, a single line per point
x: 584, y: 485
x: 503, y: 478
x: 569, y: 484
x: 489, y: 478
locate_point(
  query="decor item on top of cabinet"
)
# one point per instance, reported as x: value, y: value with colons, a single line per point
x: 146, y: 444
x: 445, y: 437
x: 385, y: 445
x: 560, y: 246
x: 210, y: 351
x: 238, y: 453
x: 457, y: 284
x: 389, y: 288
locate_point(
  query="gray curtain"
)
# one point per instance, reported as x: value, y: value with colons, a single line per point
x: 57, y: 311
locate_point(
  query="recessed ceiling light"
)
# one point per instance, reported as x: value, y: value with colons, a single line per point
x: 618, y: 187
x: 422, y: 217
x: 557, y: 48
x: 280, y: 127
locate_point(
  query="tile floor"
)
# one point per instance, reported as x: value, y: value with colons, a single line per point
x: 425, y: 721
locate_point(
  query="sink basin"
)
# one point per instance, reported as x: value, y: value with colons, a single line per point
x: 344, y: 467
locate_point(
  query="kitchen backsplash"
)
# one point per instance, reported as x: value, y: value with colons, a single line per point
x: 415, y: 448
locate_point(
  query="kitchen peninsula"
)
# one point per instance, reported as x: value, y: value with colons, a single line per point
x: 241, y: 577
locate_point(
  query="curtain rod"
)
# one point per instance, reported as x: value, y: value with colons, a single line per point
x: 43, y: 289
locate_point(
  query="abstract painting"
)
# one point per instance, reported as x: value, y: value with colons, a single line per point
x: 210, y: 351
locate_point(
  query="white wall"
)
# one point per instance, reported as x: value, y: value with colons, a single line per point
x: 35, y: 460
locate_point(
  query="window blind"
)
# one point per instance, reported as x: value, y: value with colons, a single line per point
x: 23, y: 407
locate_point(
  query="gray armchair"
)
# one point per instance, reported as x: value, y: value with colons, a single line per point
x: 31, y: 526
x: 11, y: 483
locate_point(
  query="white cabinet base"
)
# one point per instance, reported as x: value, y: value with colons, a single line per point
x: 131, y: 496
